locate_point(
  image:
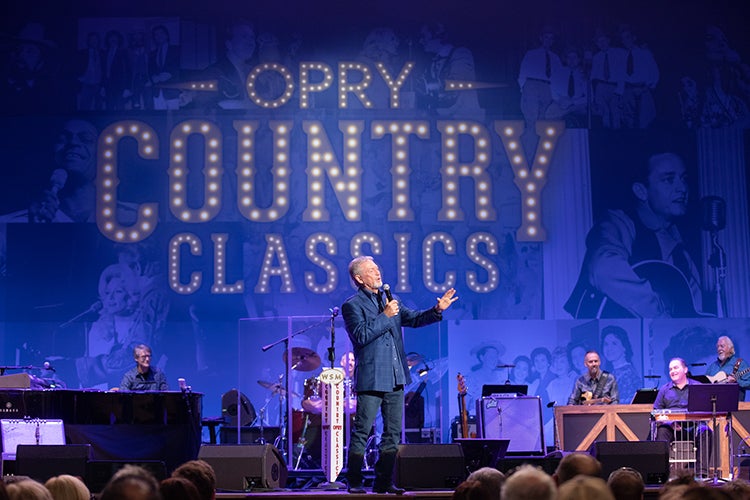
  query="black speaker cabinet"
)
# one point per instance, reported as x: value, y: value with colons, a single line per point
x: 44, y: 461
x: 429, y: 466
x: 650, y: 458
x: 242, y: 467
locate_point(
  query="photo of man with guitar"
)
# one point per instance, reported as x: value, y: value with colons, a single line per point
x: 595, y: 387
x: 729, y: 368
x: 637, y: 263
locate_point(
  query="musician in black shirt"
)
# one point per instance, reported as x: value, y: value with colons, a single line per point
x: 674, y: 396
x: 143, y: 377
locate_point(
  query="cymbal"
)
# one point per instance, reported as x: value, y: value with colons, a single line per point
x: 276, y: 388
x: 303, y: 359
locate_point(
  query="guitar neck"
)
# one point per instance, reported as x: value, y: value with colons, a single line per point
x: 464, y: 415
x: 462, y: 406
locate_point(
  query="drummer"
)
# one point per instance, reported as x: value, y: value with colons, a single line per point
x: 347, y: 363
x: 312, y: 401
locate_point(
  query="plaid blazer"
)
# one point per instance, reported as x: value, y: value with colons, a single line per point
x: 372, y: 333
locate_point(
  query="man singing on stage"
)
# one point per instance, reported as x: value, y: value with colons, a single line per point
x: 374, y: 326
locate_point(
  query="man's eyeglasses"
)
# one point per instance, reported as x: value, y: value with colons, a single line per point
x: 144, y: 356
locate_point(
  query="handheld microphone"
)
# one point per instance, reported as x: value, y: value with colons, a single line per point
x: 697, y: 364
x: 714, y: 211
x: 387, y: 290
x: 95, y: 307
x: 57, y: 180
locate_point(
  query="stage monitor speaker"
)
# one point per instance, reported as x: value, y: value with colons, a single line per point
x: 429, y: 466
x: 44, y: 461
x: 101, y: 471
x: 650, y: 458
x: 547, y: 463
x: 480, y: 452
x: 244, y: 467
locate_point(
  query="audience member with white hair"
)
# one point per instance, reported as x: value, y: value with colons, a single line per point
x: 529, y: 483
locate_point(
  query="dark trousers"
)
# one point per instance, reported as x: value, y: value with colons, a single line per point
x: 391, y: 406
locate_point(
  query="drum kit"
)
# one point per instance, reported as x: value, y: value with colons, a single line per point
x: 306, y: 422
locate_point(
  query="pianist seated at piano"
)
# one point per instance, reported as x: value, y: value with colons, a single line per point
x: 728, y: 367
x: 674, y: 396
x: 595, y: 387
x: 143, y: 377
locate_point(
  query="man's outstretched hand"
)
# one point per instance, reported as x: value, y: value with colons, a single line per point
x: 446, y: 300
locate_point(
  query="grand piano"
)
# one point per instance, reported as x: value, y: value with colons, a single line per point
x: 127, y: 426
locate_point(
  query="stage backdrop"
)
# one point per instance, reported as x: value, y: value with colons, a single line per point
x: 200, y: 183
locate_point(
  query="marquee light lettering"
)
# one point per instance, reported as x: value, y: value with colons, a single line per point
x: 354, y: 79
x: 344, y: 174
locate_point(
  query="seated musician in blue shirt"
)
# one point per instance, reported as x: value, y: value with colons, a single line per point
x: 595, y: 387
x: 143, y: 377
x: 728, y: 367
x: 674, y: 396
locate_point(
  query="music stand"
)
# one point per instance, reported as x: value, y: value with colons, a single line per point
x: 644, y: 397
x: 490, y: 389
x: 716, y: 398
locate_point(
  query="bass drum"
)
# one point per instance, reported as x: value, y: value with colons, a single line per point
x: 306, y: 429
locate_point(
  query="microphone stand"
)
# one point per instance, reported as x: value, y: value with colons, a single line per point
x: 284, y: 412
x: 332, y: 349
x: 555, y: 432
x: 259, y: 419
x: 718, y: 262
x: 507, y: 380
x: 95, y: 307
x: 187, y: 393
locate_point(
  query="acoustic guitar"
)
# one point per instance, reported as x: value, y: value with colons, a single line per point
x: 587, y: 398
x: 721, y: 377
x: 666, y: 281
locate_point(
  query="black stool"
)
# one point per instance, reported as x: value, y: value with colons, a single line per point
x: 212, y: 423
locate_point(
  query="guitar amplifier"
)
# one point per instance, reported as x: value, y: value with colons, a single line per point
x: 423, y: 435
x: 30, y: 431
x: 471, y: 420
x: 518, y: 418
